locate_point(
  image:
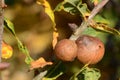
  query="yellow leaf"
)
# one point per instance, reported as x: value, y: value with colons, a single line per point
x: 55, y: 37
x: 40, y: 63
x: 95, y: 2
x: 48, y: 10
x: 7, y: 51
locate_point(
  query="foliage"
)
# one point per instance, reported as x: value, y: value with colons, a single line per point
x: 10, y: 27
x: 89, y: 74
x: 99, y: 27
x: 74, y: 7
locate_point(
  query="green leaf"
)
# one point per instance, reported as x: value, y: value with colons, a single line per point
x: 23, y: 48
x: 10, y: 27
x: 59, y: 7
x: 99, y: 19
x: 73, y: 7
x: 89, y: 74
x: 101, y: 31
x: 55, y: 70
x: 95, y: 33
x: 53, y: 78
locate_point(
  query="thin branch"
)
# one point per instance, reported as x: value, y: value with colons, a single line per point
x: 84, y: 24
x: 40, y: 76
x: 1, y: 26
x: 98, y: 8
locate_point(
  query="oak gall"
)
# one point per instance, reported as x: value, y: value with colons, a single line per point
x: 66, y: 50
x: 90, y: 49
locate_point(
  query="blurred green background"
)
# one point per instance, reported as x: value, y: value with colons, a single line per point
x: 34, y: 28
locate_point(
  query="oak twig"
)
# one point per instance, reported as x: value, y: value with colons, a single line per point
x: 84, y: 24
x: 1, y: 26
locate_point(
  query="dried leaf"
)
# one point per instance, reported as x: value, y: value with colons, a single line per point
x: 7, y: 51
x: 105, y: 28
x: 40, y: 63
x: 55, y: 39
